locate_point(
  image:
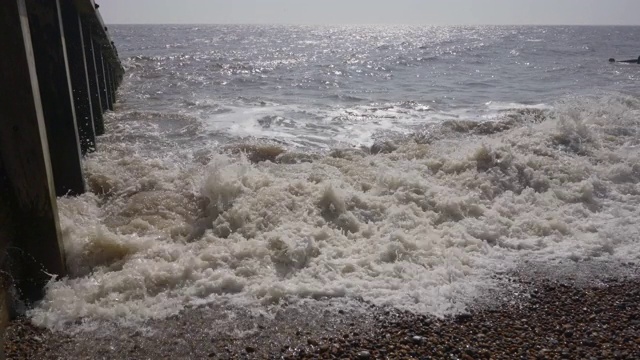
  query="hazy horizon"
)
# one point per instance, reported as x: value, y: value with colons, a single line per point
x: 369, y: 24
x: 373, y: 12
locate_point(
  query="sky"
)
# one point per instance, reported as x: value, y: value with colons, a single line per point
x: 428, y: 12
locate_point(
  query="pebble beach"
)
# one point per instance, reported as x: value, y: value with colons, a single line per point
x: 571, y: 311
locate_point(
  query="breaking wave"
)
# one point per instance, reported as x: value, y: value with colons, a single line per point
x: 419, y: 221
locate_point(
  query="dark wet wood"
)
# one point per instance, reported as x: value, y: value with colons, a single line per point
x: 54, y: 55
x: 102, y: 81
x: 79, y: 76
x: 30, y: 233
x: 47, y: 37
x: 92, y: 71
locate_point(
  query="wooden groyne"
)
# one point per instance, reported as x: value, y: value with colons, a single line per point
x: 59, y: 71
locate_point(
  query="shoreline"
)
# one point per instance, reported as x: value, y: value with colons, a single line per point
x: 562, y: 311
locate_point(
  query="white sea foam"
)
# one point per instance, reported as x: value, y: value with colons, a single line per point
x: 422, y: 228
x: 299, y: 126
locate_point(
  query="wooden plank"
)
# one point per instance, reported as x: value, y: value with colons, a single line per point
x: 107, y: 83
x: 94, y: 87
x: 102, y: 81
x: 112, y: 85
x: 91, y: 16
x: 79, y: 76
x: 85, y: 7
x: 105, y: 69
x: 47, y: 37
x: 26, y: 176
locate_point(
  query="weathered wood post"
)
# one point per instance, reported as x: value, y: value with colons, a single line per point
x: 94, y: 83
x: 79, y: 76
x: 102, y: 81
x: 28, y: 211
x: 47, y: 37
x: 109, y: 83
x: 105, y: 69
x: 112, y: 84
x: 118, y: 71
x: 52, y: 74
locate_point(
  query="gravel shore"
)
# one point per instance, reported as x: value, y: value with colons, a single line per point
x: 574, y: 311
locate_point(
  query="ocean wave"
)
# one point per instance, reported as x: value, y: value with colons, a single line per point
x: 420, y: 225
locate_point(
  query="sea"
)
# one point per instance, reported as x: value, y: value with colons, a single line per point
x: 403, y: 166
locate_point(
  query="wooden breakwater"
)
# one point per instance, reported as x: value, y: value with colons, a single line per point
x: 59, y: 71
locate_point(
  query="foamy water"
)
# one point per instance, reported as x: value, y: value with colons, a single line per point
x: 179, y: 215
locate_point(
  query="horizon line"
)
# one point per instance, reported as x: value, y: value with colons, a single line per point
x: 374, y: 24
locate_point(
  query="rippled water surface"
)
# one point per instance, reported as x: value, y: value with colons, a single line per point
x: 323, y: 85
